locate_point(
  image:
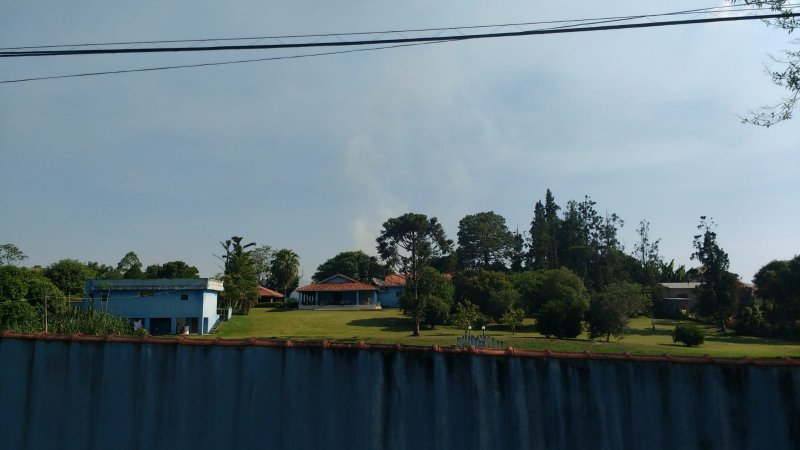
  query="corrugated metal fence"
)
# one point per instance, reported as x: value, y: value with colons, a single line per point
x: 94, y: 393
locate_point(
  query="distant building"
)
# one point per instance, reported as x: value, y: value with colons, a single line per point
x: 677, y: 297
x: 161, y: 306
x: 391, y: 289
x: 338, y: 292
x: 268, y: 295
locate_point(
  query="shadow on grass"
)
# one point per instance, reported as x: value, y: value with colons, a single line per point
x: 384, y: 323
x: 649, y: 332
x: 732, y: 338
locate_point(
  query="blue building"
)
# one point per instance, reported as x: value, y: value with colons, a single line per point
x: 161, y: 306
x: 391, y: 290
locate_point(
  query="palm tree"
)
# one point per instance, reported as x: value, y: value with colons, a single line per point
x: 285, y: 271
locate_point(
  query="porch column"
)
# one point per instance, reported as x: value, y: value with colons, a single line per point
x: 316, y: 298
x: 357, y: 299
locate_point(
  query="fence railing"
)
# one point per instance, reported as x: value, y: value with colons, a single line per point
x: 480, y: 341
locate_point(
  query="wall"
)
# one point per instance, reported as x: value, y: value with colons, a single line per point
x: 102, y: 395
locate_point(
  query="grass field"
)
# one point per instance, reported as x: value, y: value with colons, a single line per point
x: 389, y: 326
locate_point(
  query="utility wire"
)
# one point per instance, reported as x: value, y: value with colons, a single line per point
x: 394, y: 41
x: 708, y: 10
x: 221, y: 63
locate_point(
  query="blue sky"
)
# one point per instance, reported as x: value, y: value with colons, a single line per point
x: 314, y: 154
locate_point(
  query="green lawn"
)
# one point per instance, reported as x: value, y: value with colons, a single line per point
x: 389, y: 326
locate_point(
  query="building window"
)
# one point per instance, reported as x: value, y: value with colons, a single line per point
x: 146, y: 293
x: 184, y: 296
x: 104, y: 296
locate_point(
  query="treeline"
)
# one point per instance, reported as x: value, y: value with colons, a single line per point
x: 569, y: 271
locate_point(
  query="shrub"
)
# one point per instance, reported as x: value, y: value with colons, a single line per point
x: 688, y: 333
x: 562, y: 318
x: 19, y: 315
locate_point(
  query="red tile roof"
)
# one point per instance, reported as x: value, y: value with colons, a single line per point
x: 264, y: 292
x: 327, y: 285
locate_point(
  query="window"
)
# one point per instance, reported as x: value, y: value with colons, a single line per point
x: 104, y: 296
x: 184, y: 296
x: 146, y: 293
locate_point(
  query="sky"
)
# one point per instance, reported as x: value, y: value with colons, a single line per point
x: 315, y: 154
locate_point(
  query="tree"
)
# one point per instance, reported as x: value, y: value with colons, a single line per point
x: 70, y: 276
x: 104, y: 271
x: 716, y: 297
x: 240, y: 278
x: 544, y: 237
x: 778, y: 285
x: 788, y: 76
x: 492, y: 291
x: 688, y: 333
x: 171, y: 270
x: 610, y: 311
x: 484, y: 241
x: 262, y: 261
x: 355, y: 264
x: 409, y: 243
x: 130, y: 266
x: 538, y: 287
x: 10, y: 255
x: 466, y: 314
x: 513, y: 318
x: 285, y: 271
x: 562, y: 317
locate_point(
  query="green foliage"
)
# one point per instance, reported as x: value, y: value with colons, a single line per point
x: 538, y: 287
x: 751, y: 322
x: 10, y: 255
x: 544, y: 234
x: 689, y: 334
x: 466, y: 314
x: 285, y: 271
x: 130, y: 267
x: 70, y: 276
x: 493, y: 292
x: 484, y: 242
x: 104, y: 271
x: 437, y: 311
x: 240, y: 278
x: 261, y: 257
x: 788, y: 76
x: 171, y: 270
x: 513, y: 318
x: 717, y: 296
x: 356, y: 264
x: 777, y: 284
x: 610, y: 311
x: 408, y: 244
x: 562, y: 317
x: 19, y: 316
x: 89, y: 322
x: 13, y: 283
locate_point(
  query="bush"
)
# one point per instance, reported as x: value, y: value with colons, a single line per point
x: 19, y: 315
x: 562, y: 318
x: 688, y: 333
x: 437, y: 311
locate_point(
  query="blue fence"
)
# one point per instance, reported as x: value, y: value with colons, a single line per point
x: 105, y: 395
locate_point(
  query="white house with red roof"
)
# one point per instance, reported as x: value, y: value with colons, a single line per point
x: 339, y: 292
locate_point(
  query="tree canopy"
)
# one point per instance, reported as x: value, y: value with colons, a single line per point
x: 788, y: 75
x: 716, y: 297
x: 408, y: 243
x: 171, y: 269
x: 240, y: 278
x: 285, y: 271
x: 484, y: 241
x: 354, y: 264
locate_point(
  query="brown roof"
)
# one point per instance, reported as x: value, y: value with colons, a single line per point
x: 328, y: 286
x: 264, y: 292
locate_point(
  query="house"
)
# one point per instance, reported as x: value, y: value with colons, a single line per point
x: 338, y: 292
x: 391, y: 290
x: 677, y: 297
x: 268, y: 295
x: 160, y: 306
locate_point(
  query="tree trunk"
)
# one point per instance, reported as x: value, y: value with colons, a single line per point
x: 416, y: 327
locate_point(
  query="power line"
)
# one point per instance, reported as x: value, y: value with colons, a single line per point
x: 462, y: 37
x: 708, y: 10
x: 220, y: 63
